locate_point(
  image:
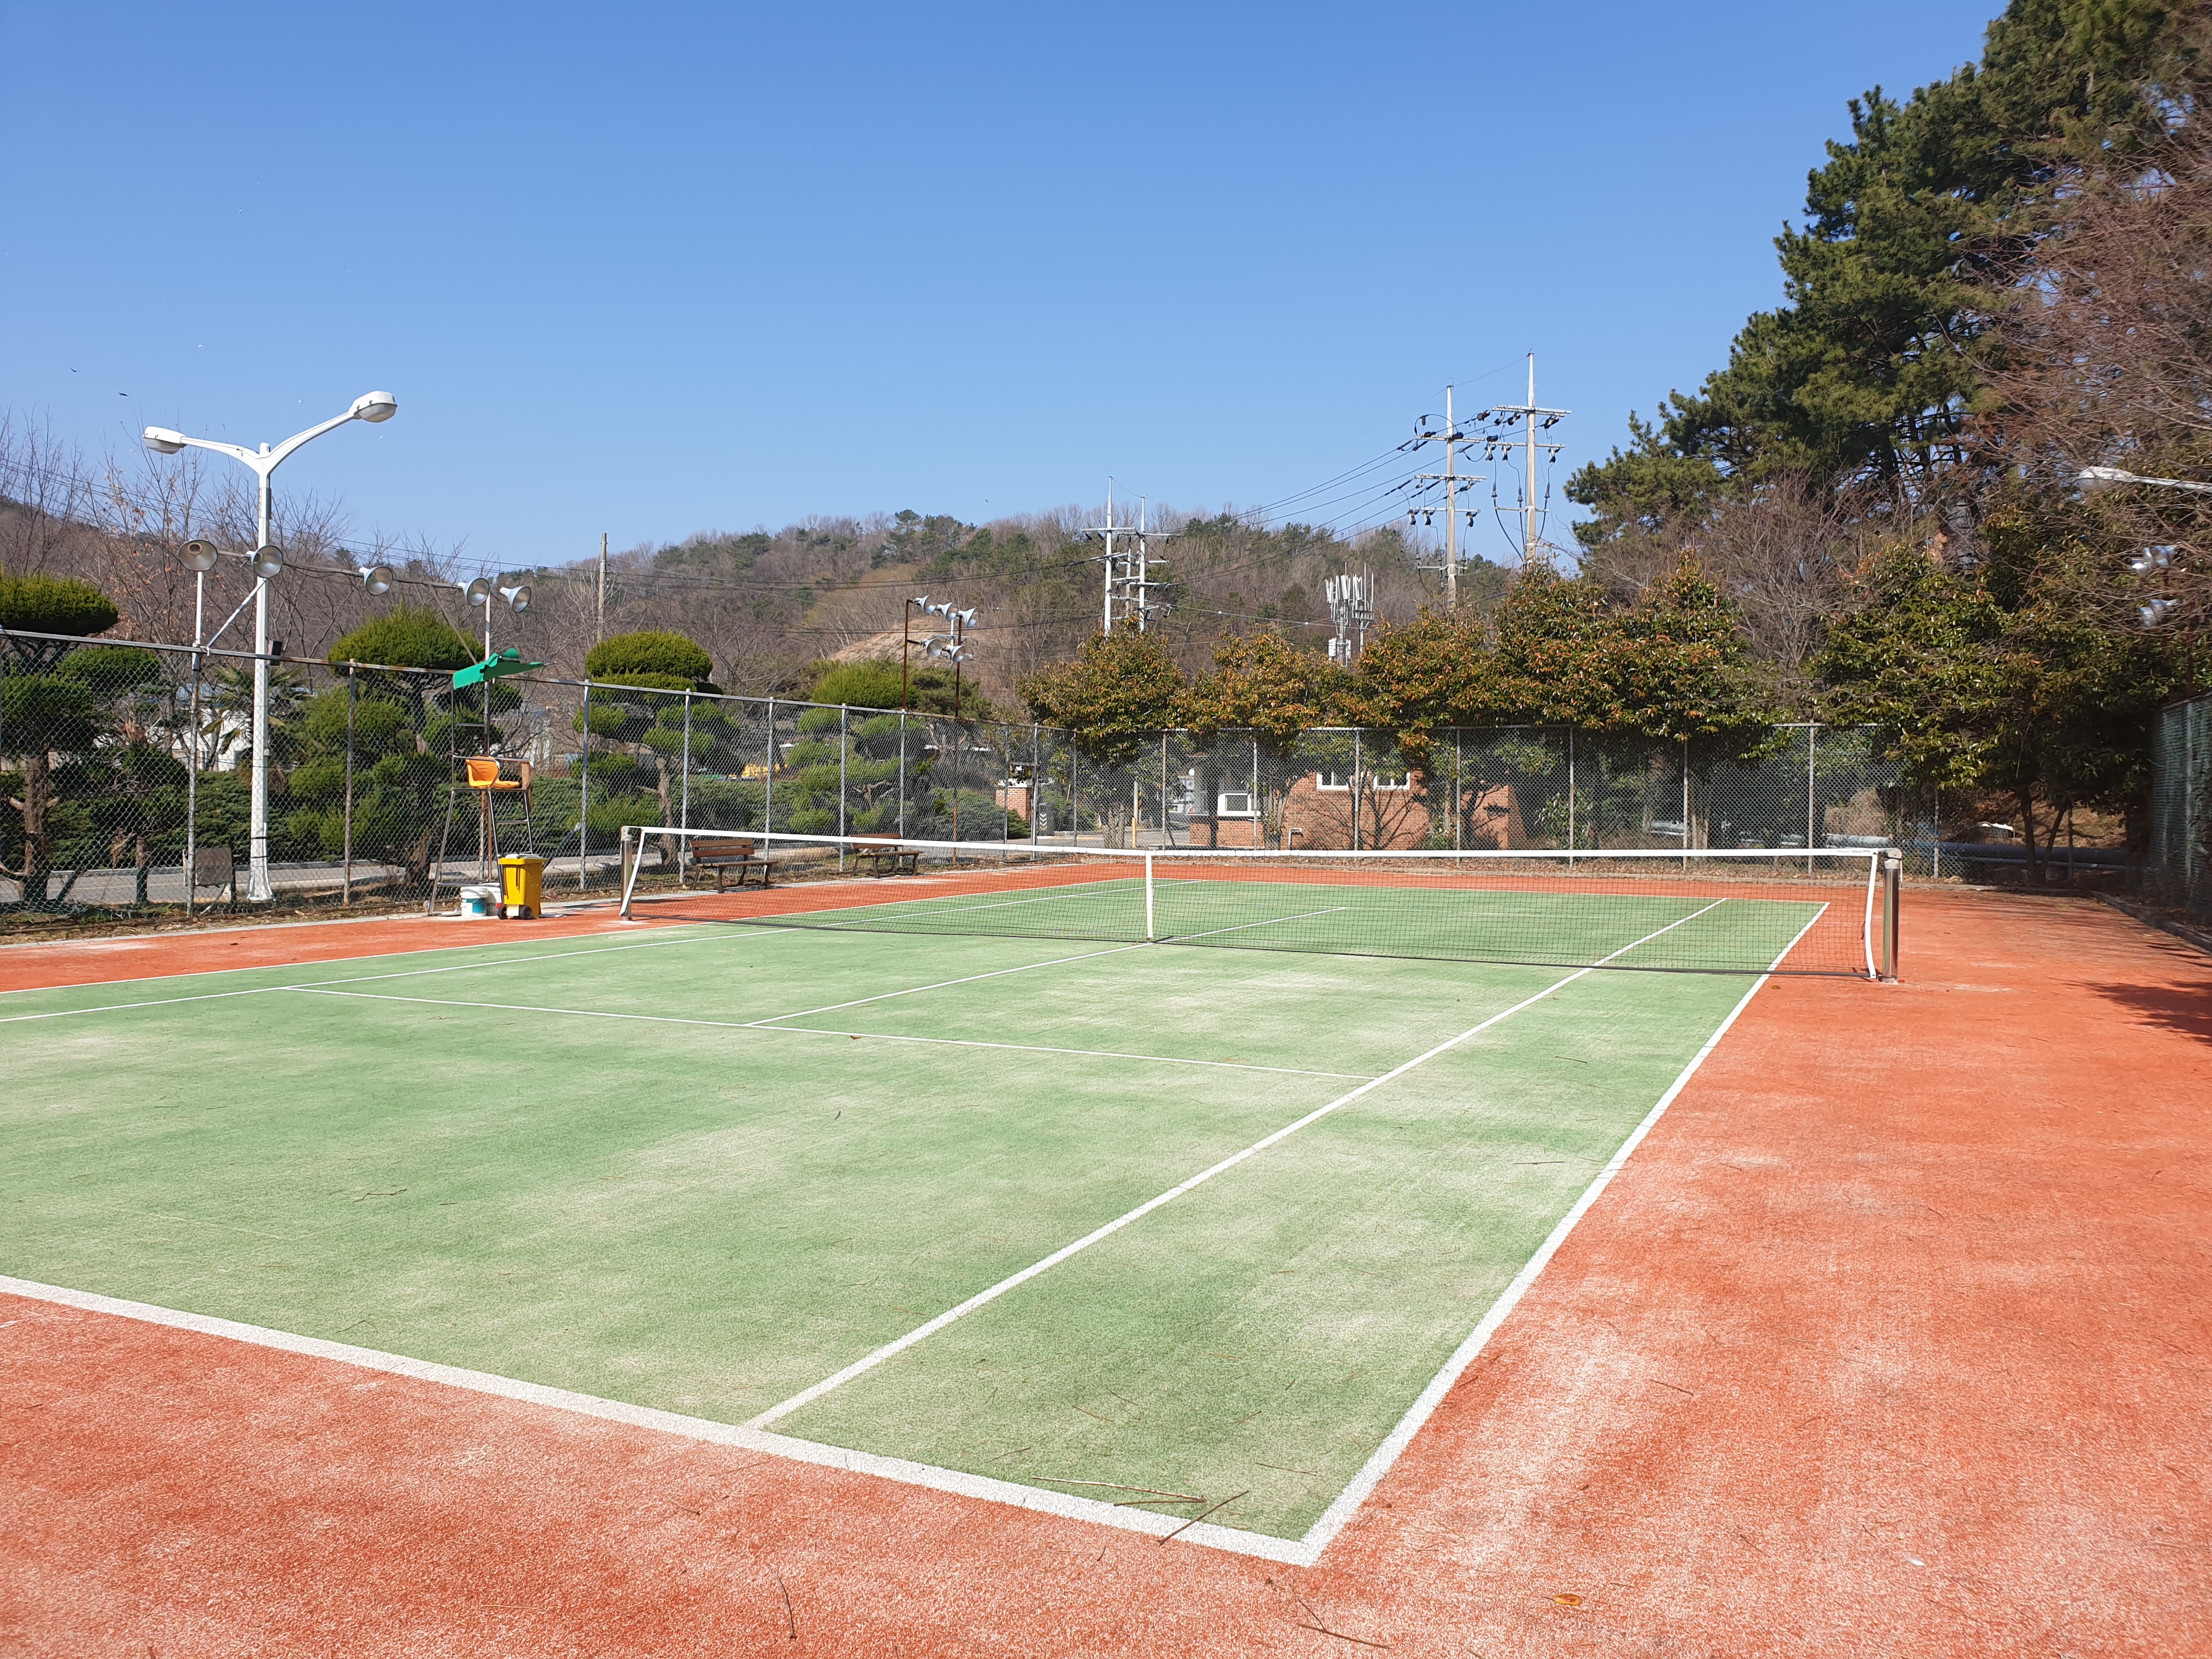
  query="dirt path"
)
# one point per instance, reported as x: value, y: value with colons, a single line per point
x: 1892, y: 1338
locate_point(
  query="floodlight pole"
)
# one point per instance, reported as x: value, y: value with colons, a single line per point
x: 373, y: 406
x: 192, y: 771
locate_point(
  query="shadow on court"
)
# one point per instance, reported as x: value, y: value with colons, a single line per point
x: 2185, y: 1010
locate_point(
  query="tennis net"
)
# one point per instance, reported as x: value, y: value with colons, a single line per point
x: 1825, y: 911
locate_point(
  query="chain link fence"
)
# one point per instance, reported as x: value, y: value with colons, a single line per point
x: 2177, y: 858
x: 128, y: 783
x: 1505, y: 788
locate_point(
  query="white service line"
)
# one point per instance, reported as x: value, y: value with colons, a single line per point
x: 807, y: 1031
x: 1302, y: 915
x: 969, y: 979
x: 891, y: 1350
x: 950, y: 900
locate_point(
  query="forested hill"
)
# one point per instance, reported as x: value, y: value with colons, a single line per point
x: 767, y: 604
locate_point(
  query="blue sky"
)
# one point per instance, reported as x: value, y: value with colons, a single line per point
x: 650, y: 270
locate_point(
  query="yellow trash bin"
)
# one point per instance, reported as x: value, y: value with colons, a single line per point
x: 522, y: 880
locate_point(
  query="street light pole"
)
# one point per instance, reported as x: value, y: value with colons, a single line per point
x: 373, y: 406
x: 2090, y: 477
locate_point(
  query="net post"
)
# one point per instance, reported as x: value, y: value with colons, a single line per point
x: 1150, y: 936
x: 629, y: 866
x: 1892, y: 872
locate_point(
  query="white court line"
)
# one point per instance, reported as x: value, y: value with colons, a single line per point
x: 368, y: 979
x: 900, y: 1469
x: 1304, y: 1552
x: 279, y: 966
x: 807, y: 1031
x: 952, y: 899
x: 1302, y: 915
x: 891, y: 1350
x: 1338, y: 1514
x: 969, y: 979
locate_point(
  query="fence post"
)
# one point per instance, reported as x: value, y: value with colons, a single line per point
x: 1355, y: 788
x: 684, y: 812
x: 583, y: 795
x: 844, y: 715
x: 1686, y: 807
x: 1167, y: 833
x: 1812, y: 744
x: 768, y: 804
x: 1570, y: 795
x: 902, y: 773
x: 345, y: 879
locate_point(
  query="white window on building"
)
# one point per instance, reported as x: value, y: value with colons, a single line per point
x: 1334, y: 780
x: 1235, y: 803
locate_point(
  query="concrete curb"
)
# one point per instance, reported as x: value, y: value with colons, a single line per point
x: 2182, y: 931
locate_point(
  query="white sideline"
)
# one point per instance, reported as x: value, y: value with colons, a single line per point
x: 362, y: 979
x: 1338, y: 1514
x: 890, y: 1350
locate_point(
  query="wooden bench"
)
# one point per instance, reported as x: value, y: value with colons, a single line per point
x: 724, y: 856
x: 887, y: 856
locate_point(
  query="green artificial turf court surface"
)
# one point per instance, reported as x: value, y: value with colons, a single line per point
x: 583, y: 1162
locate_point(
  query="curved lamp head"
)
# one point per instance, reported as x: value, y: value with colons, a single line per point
x: 162, y: 441
x: 376, y: 578
x: 201, y: 556
x: 268, y: 560
x: 516, y: 596
x: 478, y: 591
x: 374, y: 406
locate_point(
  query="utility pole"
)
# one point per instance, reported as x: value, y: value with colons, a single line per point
x: 1451, y: 478
x: 599, y: 631
x: 1532, y: 418
x: 1128, y: 581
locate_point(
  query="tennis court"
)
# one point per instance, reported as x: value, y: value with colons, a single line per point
x: 1151, y: 1237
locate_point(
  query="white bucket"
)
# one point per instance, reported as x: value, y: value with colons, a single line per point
x: 479, y: 903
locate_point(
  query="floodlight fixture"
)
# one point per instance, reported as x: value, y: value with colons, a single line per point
x: 268, y: 560
x: 2151, y: 559
x: 376, y: 578
x: 478, y: 591
x: 516, y: 596
x: 201, y: 556
x: 2156, y: 611
x: 162, y: 441
x: 374, y: 407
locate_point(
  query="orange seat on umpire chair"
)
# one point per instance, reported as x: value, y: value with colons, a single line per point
x: 483, y: 774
